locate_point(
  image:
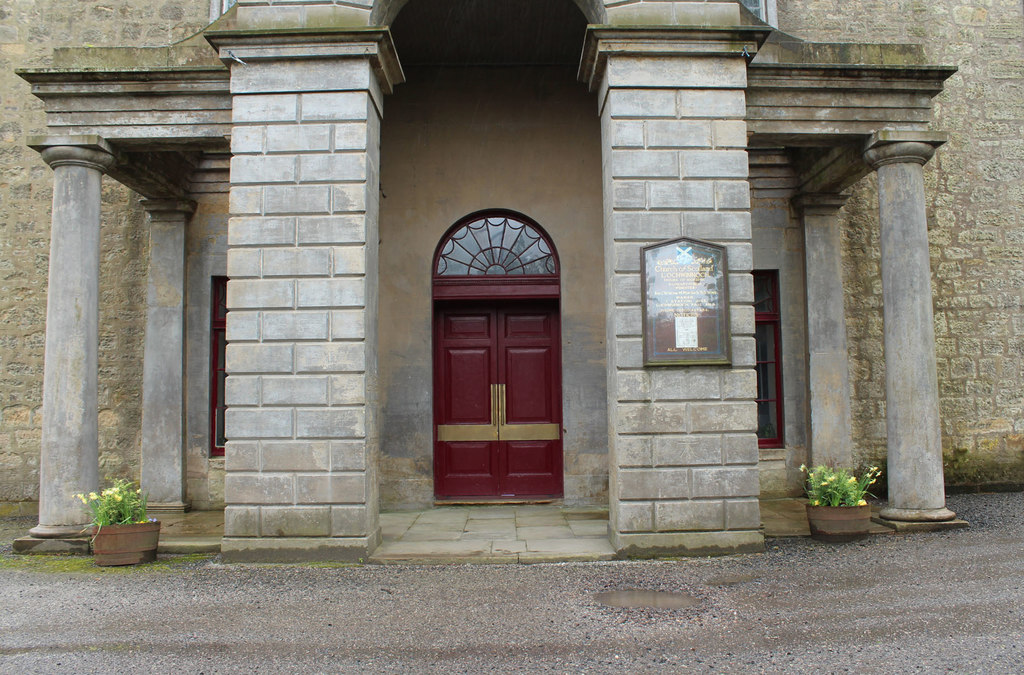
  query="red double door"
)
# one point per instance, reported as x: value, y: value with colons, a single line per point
x: 497, y: 400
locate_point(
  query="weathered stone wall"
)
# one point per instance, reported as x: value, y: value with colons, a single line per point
x: 29, y: 30
x: 976, y: 229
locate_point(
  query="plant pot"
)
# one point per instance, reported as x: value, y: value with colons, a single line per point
x: 839, y: 523
x: 125, y: 544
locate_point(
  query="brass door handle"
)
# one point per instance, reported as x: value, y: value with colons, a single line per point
x: 473, y: 432
x: 521, y: 432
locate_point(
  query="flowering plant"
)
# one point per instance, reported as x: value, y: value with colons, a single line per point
x: 120, y: 504
x: 838, y: 487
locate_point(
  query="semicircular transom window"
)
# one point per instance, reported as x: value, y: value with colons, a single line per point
x: 496, y: 245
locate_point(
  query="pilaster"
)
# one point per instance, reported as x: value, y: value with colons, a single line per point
x: 163, y: 413
x: 683, y: 469
x: 828, y: 382
x: 301, y: 423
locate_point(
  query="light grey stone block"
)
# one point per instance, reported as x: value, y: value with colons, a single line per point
x: 335, y: 105
x: 742, y: 514
x: 296, y: 262
x: 241, y: 456
x: 348, y: 198
x: 741, y: 257
x: 295, y: 326
x: 741, y: 319
x: 729, y: 133
x: 330, y: 488
x: 348, y: 389
x: 242, y: 326
x: 629, y: 353
x: 260, y: 294
x: 739, y: 384
x: 245, y: 200
x: 626, y: 288
x: 647, y: 227
x: 261, y: 231
x: 264, y: 108
x: 349, y: 260
x: 714, y: 163
x: 683, y: 516
x: 725, y: 482
x: 741, y: 287
x: 686, y: 384
x: 260, y: 169
x: 248, y: 140
x: 257, y: 423
x: 295, y: 521
x: 242, y: 489
x: 732, y: 194
x: 258, y: 358
x: 634, y: 516
x: 740, y: 448
x: 348, y: 324
x: 628, y: 321
x: 692, y: 450
x: 712, y: 103
x: 342, y: 292
x: 715, y: 72
x: 653, y: 418
x: 679, y: 134
x: 641, y: 103
x: 627, y: 134
x: 244, y: 262
x: 717, y: 225
x: 633, y: 385
x: 627, y: 256
x: 281, y: 199
x: 744, y: 351
x: 633, y: 451
x: 242, y: 390
x: 645, y: 164
x: 336, y: 357
x: 686, y: 194
x: 348, y: 521
x: 352, y: 136
x: 339, y: 167
x: 332, y: 230
x: 295, y: 456
x: 629, y: 194
x: 330, y: 423
x: 348, y: 456
x: 654, y: 484
x: 725, y: 416
x: 242, y: 521
x: 299, y: 390
x: 312, y: 75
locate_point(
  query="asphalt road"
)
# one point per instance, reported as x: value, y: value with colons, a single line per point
x: 923, y: 603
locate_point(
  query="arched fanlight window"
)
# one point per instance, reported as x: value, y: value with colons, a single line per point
x: 495, y: 244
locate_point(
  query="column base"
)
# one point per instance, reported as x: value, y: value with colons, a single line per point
x: 58, y: 531
x: 168, y: 507
x: 65, y: 546
x: 667, y: 544
x: 916, y: 515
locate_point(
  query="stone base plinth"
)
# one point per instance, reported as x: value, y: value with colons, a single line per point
x: 297, y: 549
x: 906, y: 526
x: 667, y: 544
x: 64, y: 546
x: 167, y: 507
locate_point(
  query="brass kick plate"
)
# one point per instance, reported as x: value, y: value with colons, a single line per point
x: 498, y: 429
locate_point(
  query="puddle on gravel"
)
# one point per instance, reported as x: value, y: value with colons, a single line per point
x: 640, y: 599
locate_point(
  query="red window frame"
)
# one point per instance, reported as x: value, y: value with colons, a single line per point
x: 768, y: 322
x: 218, y: 373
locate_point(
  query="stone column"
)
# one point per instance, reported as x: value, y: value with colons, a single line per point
x: 163, y: 459
x: 302, y: 449
x: 69, y: 456
x: 916, y: 491
x: 828, y: 372
x: 683, y: 447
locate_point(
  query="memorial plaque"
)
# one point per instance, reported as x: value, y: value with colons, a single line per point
x: 686, y: 303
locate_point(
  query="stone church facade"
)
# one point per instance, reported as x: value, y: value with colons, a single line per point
x: 318, y: 259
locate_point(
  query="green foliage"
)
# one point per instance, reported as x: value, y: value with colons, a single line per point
x: 120, y: 504
x: 838, y: 487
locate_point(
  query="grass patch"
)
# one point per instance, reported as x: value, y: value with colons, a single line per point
x: 81, y: 564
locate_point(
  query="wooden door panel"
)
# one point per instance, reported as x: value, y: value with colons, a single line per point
x: 528, y: 392
x: 467, y: 386
x: 470, y: 469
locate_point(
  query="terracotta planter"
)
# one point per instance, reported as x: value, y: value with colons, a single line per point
x: 839, y: 523
x: 125, y: 544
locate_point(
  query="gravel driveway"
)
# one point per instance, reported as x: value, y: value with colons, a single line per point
x: 941, y: 602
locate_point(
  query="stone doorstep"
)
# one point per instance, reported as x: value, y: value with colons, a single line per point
x: 908, y: 527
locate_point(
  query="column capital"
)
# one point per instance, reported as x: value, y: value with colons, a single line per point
x: 819, y: 203
x: 901, y: 147
x: 168, y: 209
x: 89, y: 150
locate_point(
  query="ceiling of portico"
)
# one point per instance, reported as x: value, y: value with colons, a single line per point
x: 385, y: 11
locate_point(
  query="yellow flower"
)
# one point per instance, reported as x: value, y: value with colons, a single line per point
x: 82, y: 497
x: 117, y: 497
x: 139, y: 491
x: 816, y: 503
x: 93, y: 496
x: 873, y: 481
x: 862, y: 503
x: 851, y: 480
x: 803, y: 467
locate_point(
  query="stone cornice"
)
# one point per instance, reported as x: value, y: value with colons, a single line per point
x: 373, y: 43
x: 604, y: 41
x: 90, y: 151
